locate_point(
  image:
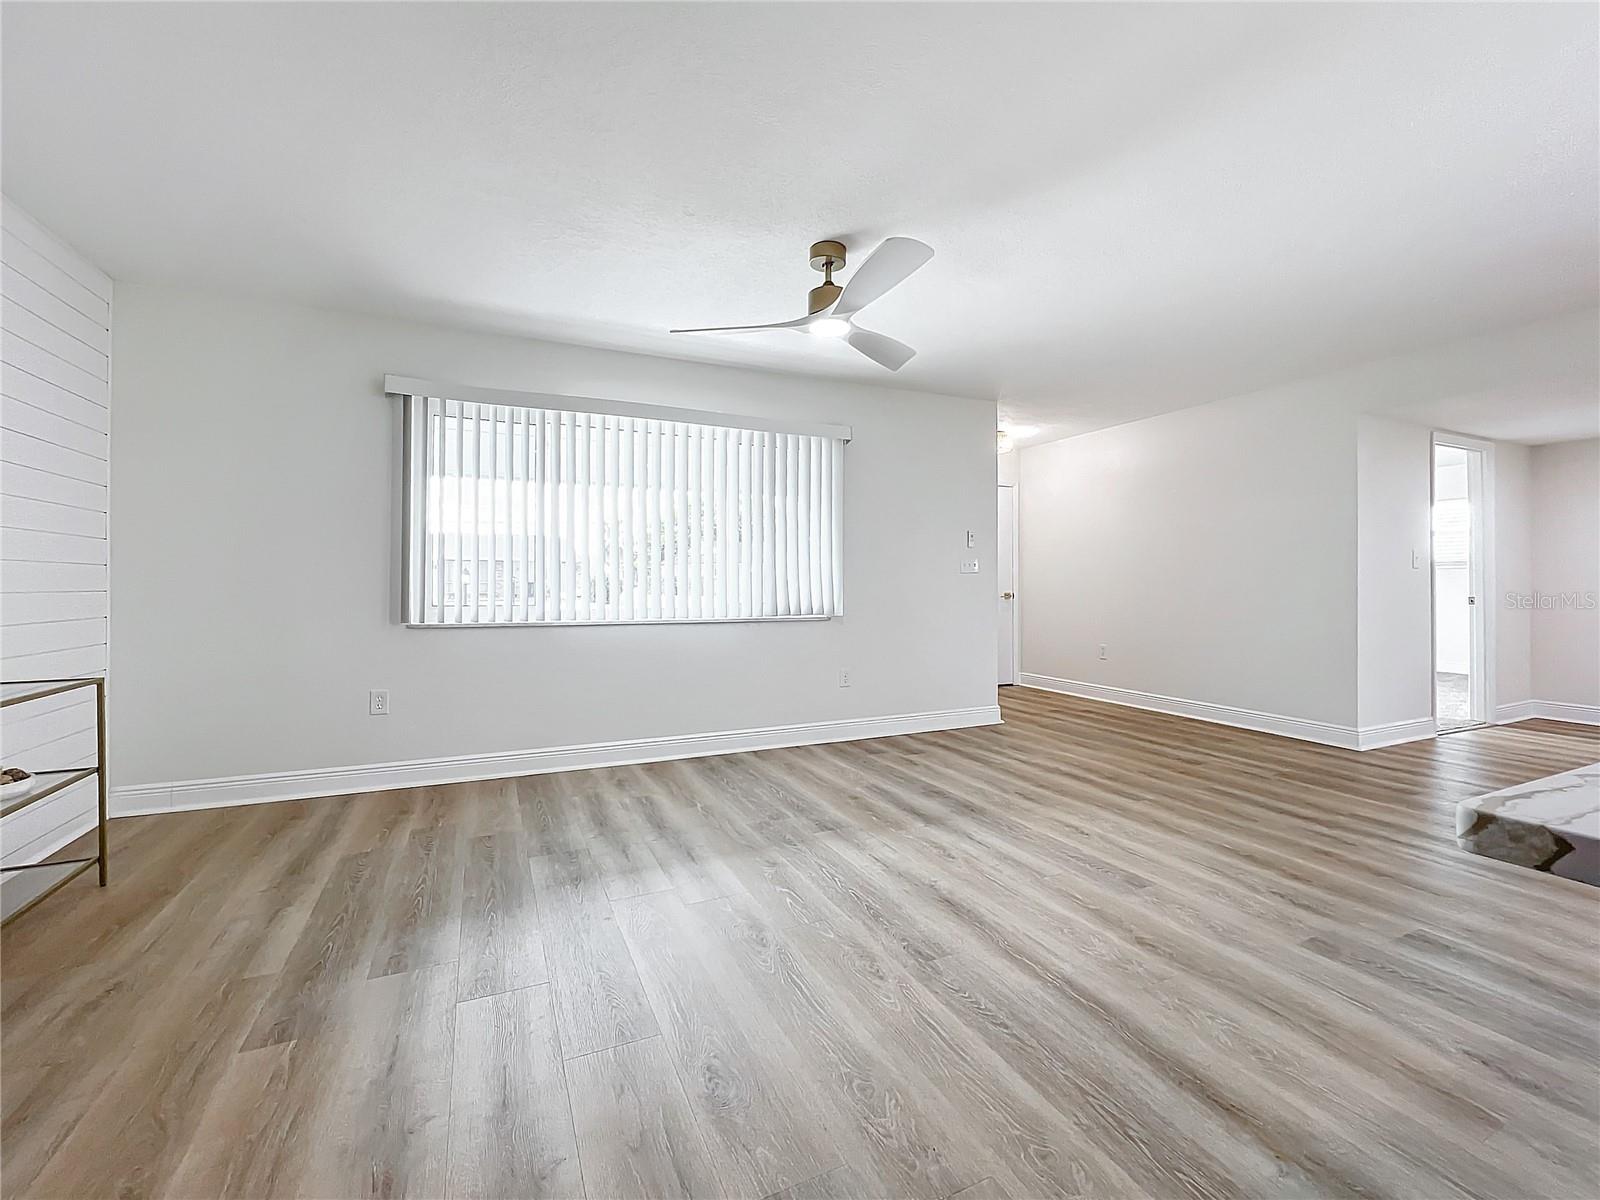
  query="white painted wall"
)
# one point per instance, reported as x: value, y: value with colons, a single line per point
x: 1254, y: 555
x: 1565, y: 492
x: 1210, y: 550
x: 1394, y: 462
x: 256, y: 556
x: 1394, y: 465
x: 1008, y: 466
x: 55, y: 428
x: 1513, y: 572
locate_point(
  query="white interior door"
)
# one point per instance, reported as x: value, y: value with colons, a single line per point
x: 1459, y: 588
x: 1006, y: 573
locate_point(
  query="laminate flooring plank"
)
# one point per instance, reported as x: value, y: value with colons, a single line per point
x: 233, y: 1126
x: 599, y: 999
x: 502, y: 945
x: 894, y: 1120
x: 764, y: 1126
x: 637, y: 1135
x: 128, y: 1150
x: 841, y: 1183
x: 333, y: 947
x: 511, y: 1128
x: 695, y: 846
x: 361, y: 1109
x: 422, y: 922
x: 620, y: 842
x: 984, y: 1189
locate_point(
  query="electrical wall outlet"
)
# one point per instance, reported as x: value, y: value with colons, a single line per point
x: 969, y: 566
x: 972, y: 540
x: 1102, y: 650
x: 844, y: 677
x: 378, y: 702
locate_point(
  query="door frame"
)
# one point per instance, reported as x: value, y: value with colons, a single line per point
x: 1481, y: 701
x: 1016, y: 584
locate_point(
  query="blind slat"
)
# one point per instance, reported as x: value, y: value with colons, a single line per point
x: 542, y: 516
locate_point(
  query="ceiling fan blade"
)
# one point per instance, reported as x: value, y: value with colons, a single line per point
x: 883, y: 350
x: 799, y: 324
x: 886, y: 267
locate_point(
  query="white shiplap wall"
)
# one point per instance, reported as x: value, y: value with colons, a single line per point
x: 55, y: 430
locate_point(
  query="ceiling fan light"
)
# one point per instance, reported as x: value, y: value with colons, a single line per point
x: 835, y: 327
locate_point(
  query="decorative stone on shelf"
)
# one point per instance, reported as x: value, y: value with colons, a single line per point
x: 1551, y: 824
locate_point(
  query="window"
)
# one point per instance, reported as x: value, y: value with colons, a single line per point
x: 553, y: 515
x: 1452, y: 530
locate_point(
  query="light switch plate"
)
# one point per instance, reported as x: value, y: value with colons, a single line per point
x: 969, y: 566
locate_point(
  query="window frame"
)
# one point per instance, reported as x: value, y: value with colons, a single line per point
x: 414, y: 393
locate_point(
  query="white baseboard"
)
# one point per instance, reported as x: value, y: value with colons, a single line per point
x: 145, y: 798
x: 1346, y: 737
x: 1549, y: 710
x: 1323, y: 732
x: 1522, y: 710
x: 1370, y: 737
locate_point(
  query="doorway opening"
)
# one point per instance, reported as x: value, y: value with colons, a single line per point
x: 1459, y: 692
x: 1006, y: 573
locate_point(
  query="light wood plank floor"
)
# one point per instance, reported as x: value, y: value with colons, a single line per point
x: 1092, y: 952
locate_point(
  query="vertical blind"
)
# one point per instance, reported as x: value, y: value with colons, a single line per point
x: 525, y: 515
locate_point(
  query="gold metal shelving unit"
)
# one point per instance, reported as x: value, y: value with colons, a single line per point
x: 50, y: 782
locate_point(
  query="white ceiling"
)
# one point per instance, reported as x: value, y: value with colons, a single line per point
x: 1135, y: 207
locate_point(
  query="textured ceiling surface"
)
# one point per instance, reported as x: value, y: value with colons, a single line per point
x: 1135, y: 207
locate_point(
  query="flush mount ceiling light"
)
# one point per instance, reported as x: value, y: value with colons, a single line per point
x: 831, y: 310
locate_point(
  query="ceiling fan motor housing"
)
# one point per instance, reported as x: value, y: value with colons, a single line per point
x: 826, y: 257
x: 822, y: 296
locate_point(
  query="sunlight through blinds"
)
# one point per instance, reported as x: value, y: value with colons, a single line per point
x: 526, y: 515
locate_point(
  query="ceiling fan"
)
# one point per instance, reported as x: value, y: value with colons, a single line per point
x: 831, y: 309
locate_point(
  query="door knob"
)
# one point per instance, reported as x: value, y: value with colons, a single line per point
x: 1008, y: 595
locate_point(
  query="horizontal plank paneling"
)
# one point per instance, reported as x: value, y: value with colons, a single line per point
x: 55, y: 447
x: 27, y: 261
x: 35, y: 830
x: 18, y: 226
x: 29, y: 482
x: 46, y: 516
x: 54, y: 635
x: 41, y: 393
x: 65, y: 739
x: 25, y: 728
x: 76, y: 749
x: 25, y: 450
x: 17, y: 288
x: 31, y: 545
x: 24, y: 608
x: 54, y: 340
x: 55, y: 664
x: 18, y: 351
x: 21, y: 417
x: 20, y: 578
